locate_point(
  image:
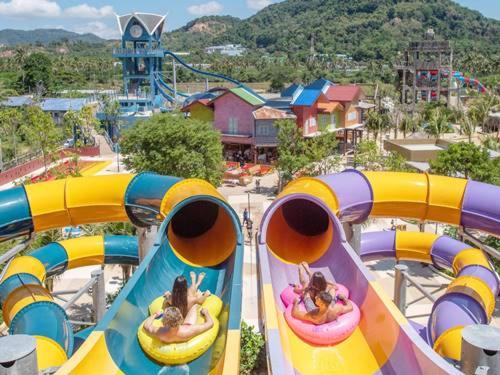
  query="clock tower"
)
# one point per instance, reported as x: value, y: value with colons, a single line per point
x: 141, y: 56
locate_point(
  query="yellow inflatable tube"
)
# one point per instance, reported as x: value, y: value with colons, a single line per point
x: 180, y: 353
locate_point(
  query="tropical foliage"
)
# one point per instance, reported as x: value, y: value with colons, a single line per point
x: 172, y: 145
x: 469, y: 161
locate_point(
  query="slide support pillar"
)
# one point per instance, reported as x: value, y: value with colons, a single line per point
x: 146, y: 238
x: 400, y: 287
x: 480, y: 350
x: 421, y: 226
x: 18, y: 355
x: 99, y: 294
x: 353, y: 234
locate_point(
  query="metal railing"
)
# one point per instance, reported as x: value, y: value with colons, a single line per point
x: 138, y: 51
x: 21, y: 159
x: 402, y: 278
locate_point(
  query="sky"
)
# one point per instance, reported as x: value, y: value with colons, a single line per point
x: 98, y: 17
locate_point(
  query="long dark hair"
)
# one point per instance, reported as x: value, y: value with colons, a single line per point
x: 317, y: 283
x: 179, y: 294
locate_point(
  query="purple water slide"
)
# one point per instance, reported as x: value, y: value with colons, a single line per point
x: 452, y: 309
x: 409, y: 354
x: 378, y: 245
x: 481, y: 207
x: 354, y: 193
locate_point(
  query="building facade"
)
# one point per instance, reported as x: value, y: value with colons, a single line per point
x: 425, y: 72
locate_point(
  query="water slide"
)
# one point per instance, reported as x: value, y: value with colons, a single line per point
x: 160, y: 78
x: 29, y: 308
x: 468, y: 81
x: 198, y: 232
x: 208, y: 74
x: 305, y: 224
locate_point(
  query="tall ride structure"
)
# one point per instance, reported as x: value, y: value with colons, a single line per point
x: 141, y: 55
x: 425, y: 74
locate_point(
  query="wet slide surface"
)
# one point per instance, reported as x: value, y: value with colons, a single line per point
x: 303, y: 224
x: 203, y: 228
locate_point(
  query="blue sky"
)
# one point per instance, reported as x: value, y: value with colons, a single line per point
x: 98, y: 16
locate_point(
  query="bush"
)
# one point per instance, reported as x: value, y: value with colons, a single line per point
x: 252, y: 355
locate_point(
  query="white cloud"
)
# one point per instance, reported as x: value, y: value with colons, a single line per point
x: 258, y: 4
x: 205, y: 9
x: 87, y: 11
x: 51, y: 9
x: 98, y: 28
x: 30, y: 8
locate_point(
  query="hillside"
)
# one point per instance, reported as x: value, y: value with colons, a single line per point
x: 200, y: 33
x: 365, y: 29
x: 10, y: 37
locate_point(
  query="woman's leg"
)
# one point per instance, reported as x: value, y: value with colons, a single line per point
x: 201, y: 276
x: 303, y: 276
x: 192, y: 315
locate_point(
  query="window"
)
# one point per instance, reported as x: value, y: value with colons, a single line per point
x: 352, y: 116
x: 233, y: 125
x: 263, y: 130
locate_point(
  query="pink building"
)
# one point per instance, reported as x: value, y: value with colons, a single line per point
x: 233, y: 117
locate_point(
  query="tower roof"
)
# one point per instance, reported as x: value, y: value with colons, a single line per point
x: 151, y: 22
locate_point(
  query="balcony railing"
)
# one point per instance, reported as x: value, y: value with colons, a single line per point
x: 138, y: 52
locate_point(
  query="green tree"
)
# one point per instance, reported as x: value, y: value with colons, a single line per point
x: 438, y: 123
x: 40, y: 132
x: 37, y: 70
x: 321, y: 152
x: 291, y: 150
x: 169, y: 144
x: 481, y: 107
x: 10, y: 121
x: 467, y: 160
x: 467, y: 125
x: 408, y: 124
x: 367, y: 156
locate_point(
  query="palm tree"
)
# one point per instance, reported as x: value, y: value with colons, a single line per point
x: 407, y: 124
x: 468, y: 125
x: 19, y: 58
x: 438, y: 123
x: 481, y: 108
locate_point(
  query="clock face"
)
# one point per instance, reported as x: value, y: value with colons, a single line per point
x: 136, y: 31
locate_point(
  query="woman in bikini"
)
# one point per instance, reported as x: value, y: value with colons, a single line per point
x: 311, y: 284
x: 185, y: 298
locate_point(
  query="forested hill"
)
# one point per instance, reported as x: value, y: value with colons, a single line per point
x: 10, y: 37
x: 365, y: 29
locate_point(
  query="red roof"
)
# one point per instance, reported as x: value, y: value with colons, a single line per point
x: 343, y: 93
x: 204, y: 102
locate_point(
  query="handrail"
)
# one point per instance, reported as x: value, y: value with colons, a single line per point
x: 15, y: 250
x: 476, y: 241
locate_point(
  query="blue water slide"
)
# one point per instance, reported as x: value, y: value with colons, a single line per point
x: 159, y: 78
x: 208, y: 74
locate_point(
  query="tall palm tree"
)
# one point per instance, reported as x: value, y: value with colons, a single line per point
x: 408, y: 124
x: 468, y: 125
x: 438, y: 123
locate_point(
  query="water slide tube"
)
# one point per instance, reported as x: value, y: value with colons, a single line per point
x: 198, y: 232
x: 208, y: 74
x: 304, y: 224
x: 162, y: 91
x: 469, y: 81
x: 469, y: 299
x: 29, y: 308
x: 159, y: 77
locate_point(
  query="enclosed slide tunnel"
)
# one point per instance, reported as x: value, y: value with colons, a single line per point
x: 205, y: 233
x: 303, y: 224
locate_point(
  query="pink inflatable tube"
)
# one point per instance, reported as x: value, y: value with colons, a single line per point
x: 324, y: 334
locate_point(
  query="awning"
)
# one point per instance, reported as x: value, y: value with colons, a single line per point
x: 237, y: 139
x: 330, y: 107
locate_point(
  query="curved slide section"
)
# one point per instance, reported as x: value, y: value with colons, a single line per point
x: 208, y: 74
x: 469, y: 81
x: 199, y: 232
x: 469, y: 299
x: 303, y: 224
x: 159, y: 78
x: 29, y: 308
